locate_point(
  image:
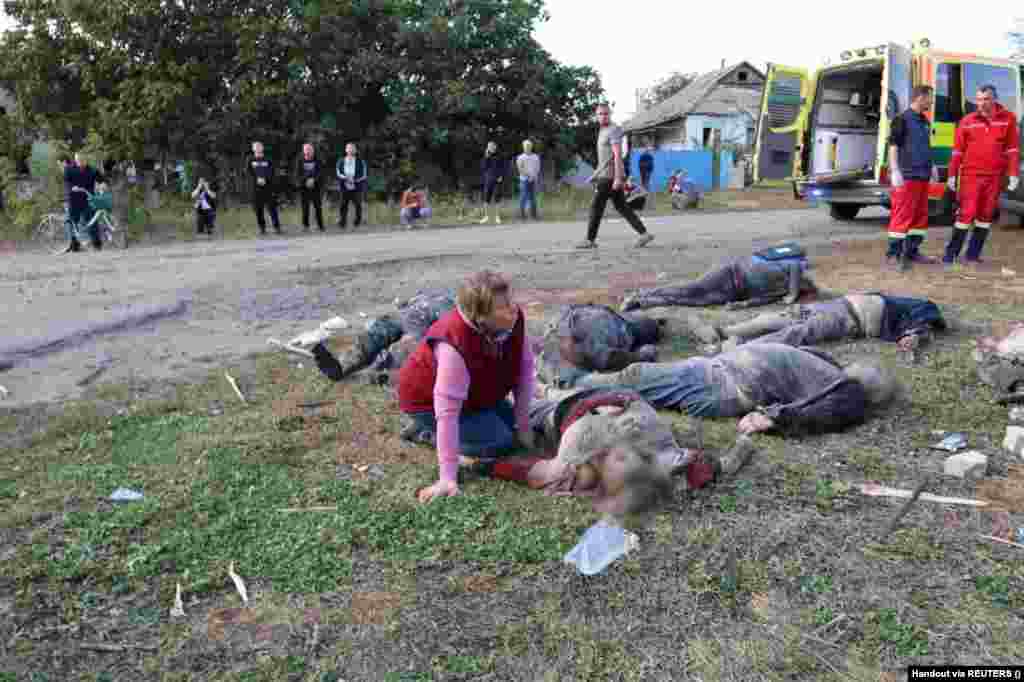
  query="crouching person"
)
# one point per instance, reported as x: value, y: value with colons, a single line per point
x: 414, y: 206
x: 453, y: 390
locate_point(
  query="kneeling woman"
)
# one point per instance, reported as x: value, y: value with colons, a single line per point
x: 454, y: 387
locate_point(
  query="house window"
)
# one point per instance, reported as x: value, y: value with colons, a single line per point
x: 741, y: 76
x: 707, y: 136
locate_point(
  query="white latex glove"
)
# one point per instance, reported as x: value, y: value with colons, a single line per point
x: 897, y: 179
x: 951, y: 184
x: 1012, y: 184
x: 754, y: 423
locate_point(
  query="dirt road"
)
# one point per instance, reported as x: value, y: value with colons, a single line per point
x: 150, y: 314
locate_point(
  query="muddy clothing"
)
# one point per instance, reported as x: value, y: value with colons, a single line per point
x: 799, y: 388
x: 754, y: 279
x: 809, y: 325
x: 389, y: 339
x: 599, y: 334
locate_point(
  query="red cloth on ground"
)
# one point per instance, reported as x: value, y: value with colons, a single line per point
x: 699, y: 471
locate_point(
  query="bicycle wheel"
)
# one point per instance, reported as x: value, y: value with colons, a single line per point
x: 115, y: 235
x: 50, y: 233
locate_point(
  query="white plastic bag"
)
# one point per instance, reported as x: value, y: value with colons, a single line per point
x: 601, y: 544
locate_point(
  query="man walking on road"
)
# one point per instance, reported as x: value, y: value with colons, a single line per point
x: 609, y: 179
x: 986, y: 148
x: 311, y: 176
x: 910, y: 167
x: 264, y: 193
x: 351, y: 172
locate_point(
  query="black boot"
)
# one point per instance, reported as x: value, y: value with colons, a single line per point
x: 956, y: 243
x: 978, y: 237
x: 895, y: 248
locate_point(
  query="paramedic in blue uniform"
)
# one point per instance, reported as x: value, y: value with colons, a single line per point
x: 910, y: 168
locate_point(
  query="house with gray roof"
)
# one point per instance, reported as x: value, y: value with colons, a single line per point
x: 726, y: 100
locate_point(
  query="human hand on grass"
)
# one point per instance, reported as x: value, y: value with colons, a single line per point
x: 440, y: 489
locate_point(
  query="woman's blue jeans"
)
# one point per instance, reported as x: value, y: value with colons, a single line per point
x: 485, y: 433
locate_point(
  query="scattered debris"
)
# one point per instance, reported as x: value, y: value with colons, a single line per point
x: 1005, y: 494
x: 362, y: 468
x: 93, y: 375
x: 234, y: 385
x: 1007, y: 272
x: 291, y: 349
x: 239, y: 585
x: 178, y: 610
x: 4, y: 393
x: 954, y: 442
x: 125, y: 495
x: 293, y: 510
x: 1017, y: 415
x: 1003, y: 542
x: 334, y: 324
x: 878, y: 490
x: 602, y: 544
x: 316, y: 403
x: 117, y: 648
x: 1014, y: 440
x: 1020, y: 534
x: 966, y: 465
x: 895, y: 522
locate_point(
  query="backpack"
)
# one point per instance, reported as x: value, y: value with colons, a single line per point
x: 789, y: 251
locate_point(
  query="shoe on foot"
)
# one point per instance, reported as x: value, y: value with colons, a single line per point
x: 497, y: 220
x: 629, y: 303
x: 485, y: 220
x: 587, y: 244
x: 643, y: 240
x: 647, y: 353
x: 921, y: 259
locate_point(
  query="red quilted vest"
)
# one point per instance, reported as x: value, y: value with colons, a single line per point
x: 491, y: 377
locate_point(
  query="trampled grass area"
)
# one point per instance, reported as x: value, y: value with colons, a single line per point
x: 783, y: 572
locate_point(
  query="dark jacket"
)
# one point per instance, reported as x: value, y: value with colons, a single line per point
x: 85, y: 177
x: 903, y: 316
x: 492, y: 168
x: 310, y: 169
x: 262, y: 168
x: 361, y: 179
x: 911, y: 133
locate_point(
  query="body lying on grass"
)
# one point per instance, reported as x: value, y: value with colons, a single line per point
x: 768, y: 385
x: 909, y: 322
x: 453, y: 389
x: 612, y: 447
x: 594, y: 338
x: 745, y: 283
x: 388, y: 340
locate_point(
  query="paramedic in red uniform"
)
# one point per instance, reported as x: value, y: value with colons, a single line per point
x: 910, y: 163
x: 986, y: 148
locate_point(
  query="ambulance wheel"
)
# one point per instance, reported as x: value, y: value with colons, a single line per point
x: 844, y: 211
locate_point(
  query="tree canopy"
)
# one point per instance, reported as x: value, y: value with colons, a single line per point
x: 664, y: 88
x: 421, y: 85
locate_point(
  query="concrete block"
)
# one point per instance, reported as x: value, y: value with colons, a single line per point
x: 959, y: 465
x: 1014, y: 441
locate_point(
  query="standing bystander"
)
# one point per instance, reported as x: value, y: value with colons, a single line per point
x: 986, y: 148
x: 910, y: 168
x: 492, y: 171
x: 351, y: 172
x: 528, y: 165
x: 311, y: 183
x: 82, y: 179
x: 264, y: 194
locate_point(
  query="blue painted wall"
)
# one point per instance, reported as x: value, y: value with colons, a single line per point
x: 697, y: 164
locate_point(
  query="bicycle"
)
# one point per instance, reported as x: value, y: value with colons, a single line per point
x: 52, y: 232
x: 109, y: 231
